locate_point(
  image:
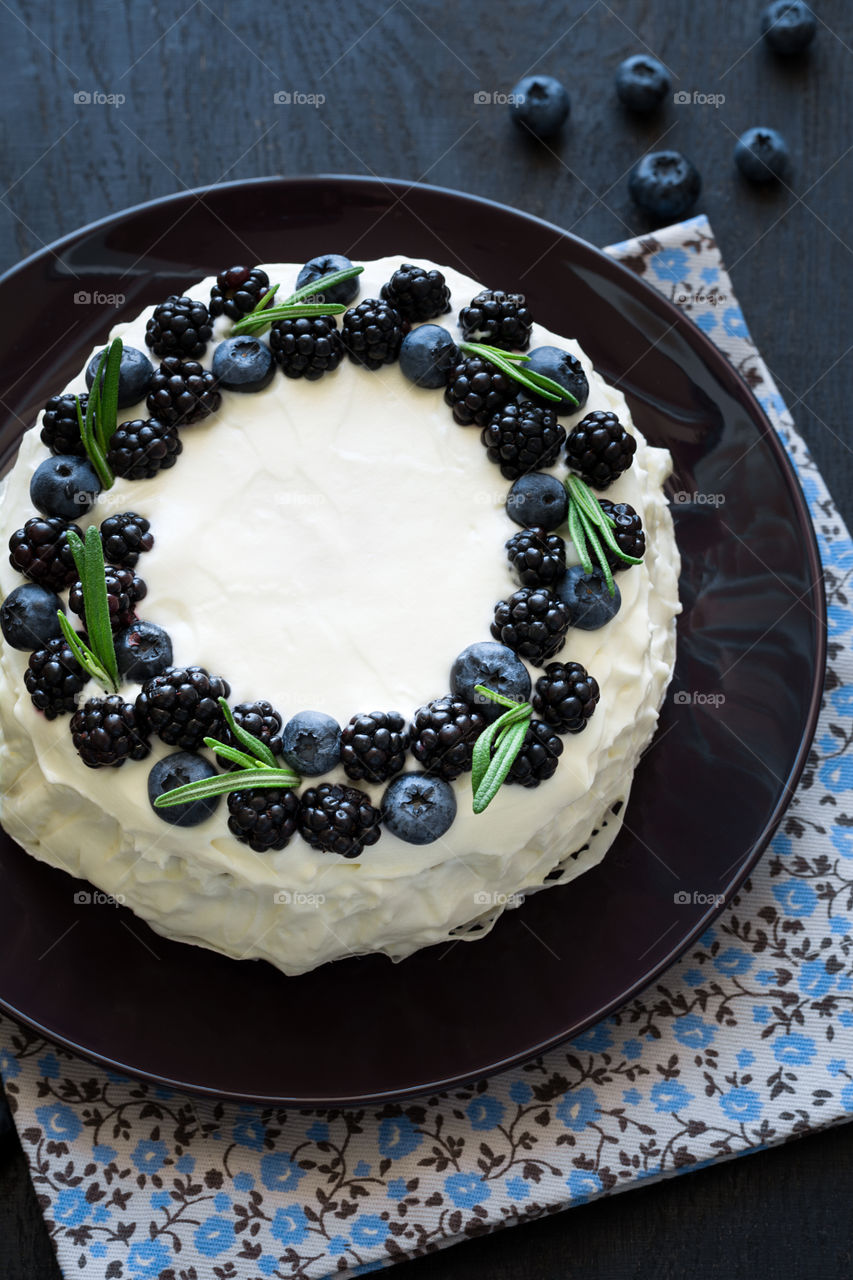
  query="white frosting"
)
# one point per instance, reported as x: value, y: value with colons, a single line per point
x: 333, y: 545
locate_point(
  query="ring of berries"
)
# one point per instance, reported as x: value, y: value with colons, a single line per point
x: 262, y: 758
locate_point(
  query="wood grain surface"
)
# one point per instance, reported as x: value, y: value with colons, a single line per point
x: 188, y: 96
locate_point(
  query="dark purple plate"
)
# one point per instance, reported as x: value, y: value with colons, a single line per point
x: 706, y: 797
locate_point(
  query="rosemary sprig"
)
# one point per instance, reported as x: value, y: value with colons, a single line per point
x: 295, y: 306
x: 101, y: 417
x: 512, y: 364
x: 505, y: 736
x: 98, y: 657
x: 257, y: 768
x: 224, y: 782
x: 258, y: 751
x: 589, y: 527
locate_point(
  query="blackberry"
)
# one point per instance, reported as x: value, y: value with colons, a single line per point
x: 628, y: 532
x: 258, y: 718
x: 537, y: 558
x: 523, y: 437
x: 476, y: 390
x: 124, y: 590
x: 306, y: 348
x: 417, y: 294
x: 181, y: 706
x: 60, y: 430
x: 533, y: 622
x: 40, y: 551
x: 338, y: 819
x: 599, y: 449
x: 372, y: 333
x: 238, y: 291
x: 54, y: 678
x: 443, y: 735
x: 182, y: 392
x: 263, y: 819
x: 139, y: 449
x: 373, y: 746
x: 179, y: 326
x: 125, y: 537
x: 107, y: 731
x: 498, y: 318
x: 565, y: 696
x: 538, y: 758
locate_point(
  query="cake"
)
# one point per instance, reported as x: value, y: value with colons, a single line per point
x: 333, y: 540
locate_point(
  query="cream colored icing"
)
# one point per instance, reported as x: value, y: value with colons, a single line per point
x: 333, y: 545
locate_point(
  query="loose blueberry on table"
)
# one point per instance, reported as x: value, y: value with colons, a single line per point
x: 762, y: 155
x: 788, y: 26
x: 540, y: 105
x: 665, y: 185
x: 642, y: 83
x: 485, y: 724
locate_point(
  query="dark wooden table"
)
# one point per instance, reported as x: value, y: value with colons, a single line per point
x: 399, y: 81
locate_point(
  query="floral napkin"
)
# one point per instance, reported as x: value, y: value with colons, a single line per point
x: 743, y: 1043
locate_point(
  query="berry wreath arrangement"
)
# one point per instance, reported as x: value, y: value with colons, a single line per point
x: 494, y: 723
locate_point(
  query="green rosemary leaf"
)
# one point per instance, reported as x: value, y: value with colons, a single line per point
x: 578, y: 537
x: 232, y: 754
x: 546, y: 386
x: 78, y: 551
x: 257, y: 749
x: 606, y: 532
x: 256, y: 323
x: 496, y: 735
x: 93, y: 450
x: 598, y: 550
x: 584, y: 498
x: 517, y: 357
x: 96, y: 605
x: 482, y: 753
x: 265, y: 300
x: 245, y: 779
x: 584, y: 504
x: 519, y: 717
x: 323, y: 284
x: 93, y: 404
x: 500, y: 698
x: 497, y: 772
x: 84, y: 655
x: 107, y: 416
x: 511, y: 363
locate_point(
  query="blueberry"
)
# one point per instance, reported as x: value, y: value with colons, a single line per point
x: 417, y: 808
x: 311, y: 743
x: 135, y: 371
x: 587, y: 598
x: 65, y: 486
x: 538, y: 500
x: 788, y: 26
x: 243, y: 364
x: 495, y: 666
x: 564, y: 368
x: 28, y: 617
x: 665, y: 184
x: 174, y: 771
x: 539, y: 104
x: 426, y: 355
x: 762, y: 155
x: 142, y: 651
x: 324, y: 265
x: 642, y: 82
